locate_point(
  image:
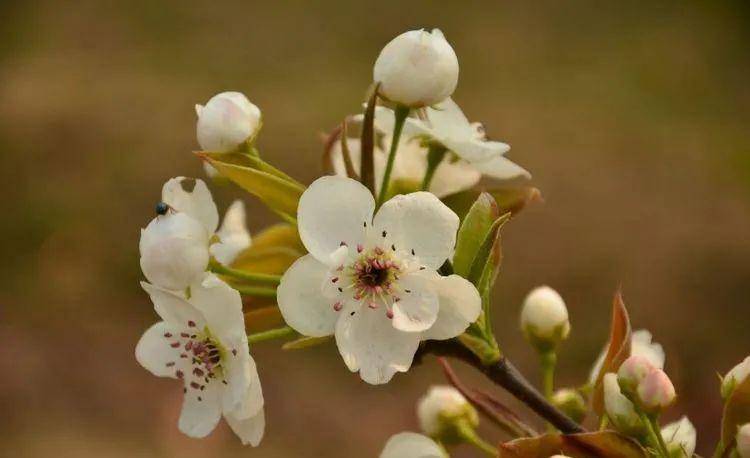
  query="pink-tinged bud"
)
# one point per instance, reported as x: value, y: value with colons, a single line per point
x: 633, y: 371
x: 656, y: 391
x: 743, y: 441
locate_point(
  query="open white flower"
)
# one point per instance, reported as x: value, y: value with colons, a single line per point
x: 373, y: 282
x: 452, y: 176
x: 417, y: 68
x: 226, y: 121
x: 680, y: 437
x: 202, y: 342
x: 175, y: 246
x: 640, y: 345
x: 447, y: 125
x: 411, y: 445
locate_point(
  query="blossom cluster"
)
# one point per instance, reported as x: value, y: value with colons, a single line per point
x: 392, y: 254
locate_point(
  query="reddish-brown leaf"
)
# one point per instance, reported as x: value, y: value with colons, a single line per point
x: 618, y: 349
x: 607, y: 444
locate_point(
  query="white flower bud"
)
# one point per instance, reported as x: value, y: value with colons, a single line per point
x: 174, y: 251
x: 226, y: 121
x: 656, y: 391
x: 441, y: 407
x: 734, y: 377
x: 743, y: 440
x: 633, y: 371
x: 680, y: 437
x: 544, y: 318
x: 417, y: 68
x: 619, y: 409
x: 571, y: 402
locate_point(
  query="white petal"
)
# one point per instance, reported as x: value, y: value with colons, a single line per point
x: 385, y: 120
x: 154, y: 352
x: 233, y: 235
x: 201, y: 410
x: 501, y: 168
x: 331, y: 211
x: 174, y: 308
x: 417, y: 309
x: 196, y: 202
x: 301, y: 300
x: 452, y: 177
x: 460, y: 305
x: 174, y: 250
x: 680, y: 437
x: 641, y: 345
x: 243, y: 396
x: 411, y: 445
x: 250, y: 430
x: 369, y: 343
x: 419, y: 222
x: 448, y: 121
x: 474, y: 150
x: 220, y: 304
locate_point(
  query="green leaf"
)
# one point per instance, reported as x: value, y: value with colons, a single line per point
x: 272, y: 251
x: 736, y: 412
x: 586, y: 445
x: 618, y: 349
x: 473, y: 231
x: 511, y: 200
x: 488, y: 254
x: 249, y: 159
x: 279, y: 193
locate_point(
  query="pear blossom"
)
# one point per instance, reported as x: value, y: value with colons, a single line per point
x: 656, y: 391
x: 544, y: 318
x: 743, y: 440
x: 633, y: 370
x: 441, y: 407
x: 176, y: 246
x: 734, y: 377
x: 640, y: 345
x: 620, y: 410
x: 226, y: 121
x: 409, y: 167
x: 372, y: 281
x: 201, y: 341
x: 680, y: 437
x: 412, y: 445
x: 417, y: 68
x: 446, y: 124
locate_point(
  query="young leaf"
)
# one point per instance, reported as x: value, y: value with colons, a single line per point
x: 618, y: 349
x: 272, y: 250
x: 607, y: 444
x: 249, y: 160
x: 367, y: 143
x: 488, y: 251
x: 279, y: 194
x: 511, y: 200
x: 736, y: 412
x: 473, y: 231
x: 262, y: 319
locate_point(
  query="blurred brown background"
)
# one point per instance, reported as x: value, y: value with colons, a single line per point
x: 632, y: 116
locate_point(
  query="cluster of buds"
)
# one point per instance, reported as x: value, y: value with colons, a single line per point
x: 648, y: 386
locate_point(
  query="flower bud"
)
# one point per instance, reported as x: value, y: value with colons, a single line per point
x: 655, y: 391
x: 734, y: 377
x: 417, y: 68
x: 680, y: 438
x: 227, y: 121
x: 441, y: 408
x: 633, y: 371
x: 570, y: 402
x: 544, y: 318
x: 743, y: 440
x: 174, y: 251
x: 620, y: 410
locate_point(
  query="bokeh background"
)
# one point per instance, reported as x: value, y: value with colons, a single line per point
x: 632, y: 116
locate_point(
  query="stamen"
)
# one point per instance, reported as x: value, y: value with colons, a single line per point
x: 337, y: 306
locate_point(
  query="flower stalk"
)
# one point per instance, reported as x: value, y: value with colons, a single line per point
x: 256, y: 291
x: 271, y: 334
x: 237, y: 274
x: 469, y: 435
x: 401, y: 113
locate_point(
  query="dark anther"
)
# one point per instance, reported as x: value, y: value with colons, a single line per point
x: 385, y: 233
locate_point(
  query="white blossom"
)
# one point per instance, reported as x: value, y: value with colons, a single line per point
x: 620, y: 411
x: 441, y: 405
x: 412, y: 445
x: 226, y: 121
x: 640, y: 345
x: 633, y: 370
x: 544, y: 317
x: 734, y: 377
x: 680, y: 437
x: 417, y: 68
x: 201, y: 341
x: 373, y: 281
x: 409, y: 167
x: 447, y: 125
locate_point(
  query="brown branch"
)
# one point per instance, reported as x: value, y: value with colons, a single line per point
x: 492, y: 408
x: 504, y: 374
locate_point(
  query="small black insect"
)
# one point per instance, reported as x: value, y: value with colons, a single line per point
x: 162, y: 208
